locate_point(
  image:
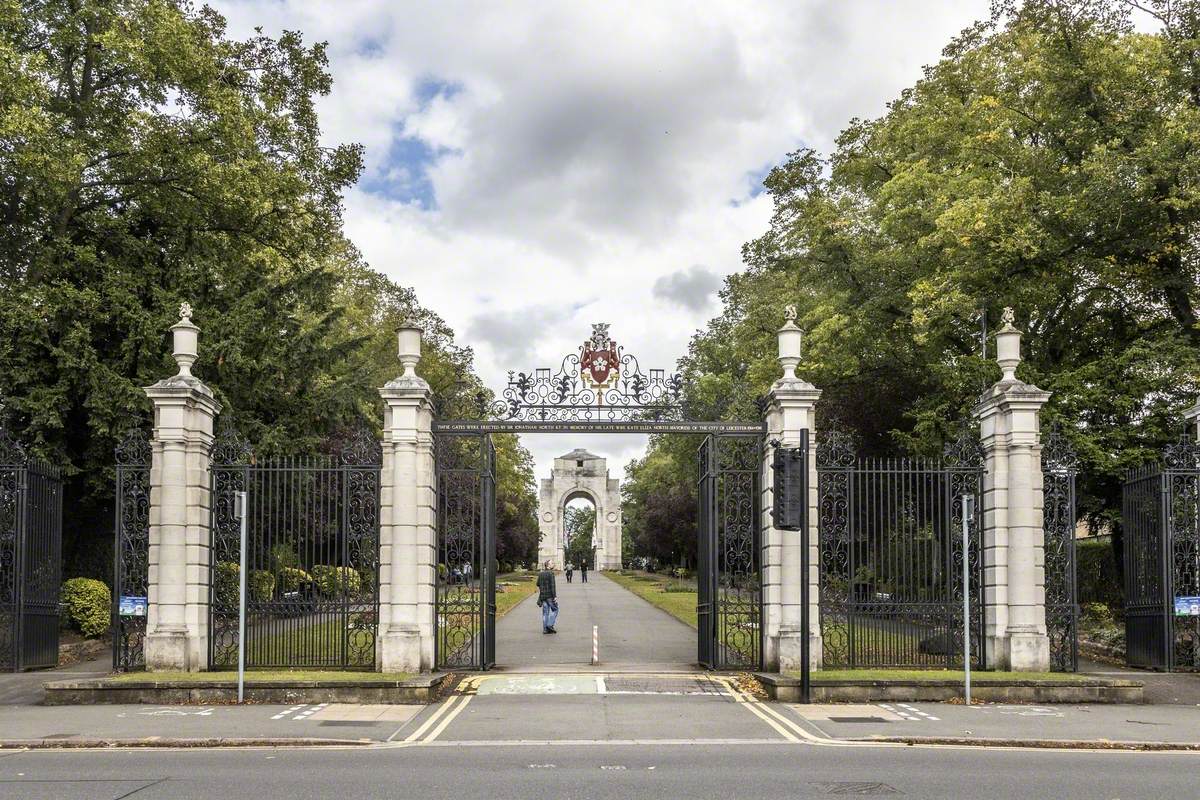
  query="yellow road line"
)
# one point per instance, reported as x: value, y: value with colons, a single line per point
x: 448, y: 719
x: 419, y: 732
x: 753, y: 707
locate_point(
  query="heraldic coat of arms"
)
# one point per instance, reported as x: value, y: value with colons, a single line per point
x: 600, y: 364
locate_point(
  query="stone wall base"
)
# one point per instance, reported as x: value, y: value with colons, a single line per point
x: 786, y: 689
x: 400, y: 651
x: 1028, y: 652
x: 790, y: 650
x: 171, y: 651
x: 423, y: 689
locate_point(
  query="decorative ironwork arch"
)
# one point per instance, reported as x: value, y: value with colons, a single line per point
x: 598, y: 383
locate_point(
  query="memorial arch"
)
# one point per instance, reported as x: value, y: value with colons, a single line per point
x: 580, y: 474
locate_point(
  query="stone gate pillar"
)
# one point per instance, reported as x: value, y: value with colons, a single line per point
x: 1013, y: 539
x: 178, y: 574
x: 407, y: 521
x: 790, y: 410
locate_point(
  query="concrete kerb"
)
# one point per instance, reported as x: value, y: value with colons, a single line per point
x: 786, y: 689
x: 421, y: 689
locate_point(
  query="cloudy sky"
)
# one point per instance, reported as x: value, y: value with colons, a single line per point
x: 532, y: 168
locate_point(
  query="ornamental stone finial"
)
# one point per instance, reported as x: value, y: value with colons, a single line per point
x: 186, y: 341
x: 790, y: 341
x: 409, y: 348
x: 1008, y: 346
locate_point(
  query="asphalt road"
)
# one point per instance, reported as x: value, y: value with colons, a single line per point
x: 745, y: 772
x: 633, y: 633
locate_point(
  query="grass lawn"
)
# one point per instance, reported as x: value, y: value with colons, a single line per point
x: 516, y: 588
x: 681, y: 605
x: 937, y: 675
x: 331, y: 676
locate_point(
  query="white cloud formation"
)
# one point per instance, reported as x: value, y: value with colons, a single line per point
x: 578, y: 159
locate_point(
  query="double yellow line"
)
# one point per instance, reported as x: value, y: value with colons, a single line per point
x: 788, y: 729
x: 440, y: 719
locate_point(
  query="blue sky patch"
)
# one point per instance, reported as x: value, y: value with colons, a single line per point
x: 403, y: 175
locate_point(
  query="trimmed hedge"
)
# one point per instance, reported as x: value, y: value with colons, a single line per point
x: 1096, y: 573
x: 260, y: 585
x: 293, y: 579
x: 339, y: 581
x: 88, y: 605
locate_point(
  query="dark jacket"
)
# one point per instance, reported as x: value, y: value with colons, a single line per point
x: 545, y: 584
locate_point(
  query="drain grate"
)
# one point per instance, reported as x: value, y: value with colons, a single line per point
x: 856, y: 788
x: 60, y: 735
x: 857, y: 719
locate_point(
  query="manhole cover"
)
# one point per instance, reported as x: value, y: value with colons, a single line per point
x: 857, y: 719
x: 857, y: 788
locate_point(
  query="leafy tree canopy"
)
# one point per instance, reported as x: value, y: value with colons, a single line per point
x: 1050, y: 161
x: 147, y: 159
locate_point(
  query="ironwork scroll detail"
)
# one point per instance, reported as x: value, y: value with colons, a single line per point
x: 599, y: 382
x: 312, y: 554
x: 1059, y: 469
x: 465, y: 466
x: 891, y: 556
x: 133, y: 455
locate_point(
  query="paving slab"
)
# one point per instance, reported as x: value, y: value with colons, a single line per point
x: 632, y: 631
x: 346, y: 722
x: 1064, y: 723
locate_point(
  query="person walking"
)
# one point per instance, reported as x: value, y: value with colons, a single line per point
x: 583, y: 570
x: 570, y: 569
x: 547, y: 598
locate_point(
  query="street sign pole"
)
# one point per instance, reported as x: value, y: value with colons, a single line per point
x: 968, y: 513
x: 241, y: 511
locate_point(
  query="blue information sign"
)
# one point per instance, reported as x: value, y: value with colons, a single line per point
x: 1187, y: 606
x: 132, y: 606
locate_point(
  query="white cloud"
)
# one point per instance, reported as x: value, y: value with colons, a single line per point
x: 589, y: 152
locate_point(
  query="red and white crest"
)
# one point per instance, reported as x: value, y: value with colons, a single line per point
x: 600, y: 364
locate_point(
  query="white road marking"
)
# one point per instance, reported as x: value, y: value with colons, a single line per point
x: 303, y: 715
x: 283, y: 714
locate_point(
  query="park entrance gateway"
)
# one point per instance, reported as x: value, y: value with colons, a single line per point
x: 598, y: 389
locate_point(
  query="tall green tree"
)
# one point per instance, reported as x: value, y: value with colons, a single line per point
x: 1050, y: 161
x: 147, y: 159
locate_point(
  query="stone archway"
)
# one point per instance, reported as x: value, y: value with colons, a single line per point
x: 580, y: 474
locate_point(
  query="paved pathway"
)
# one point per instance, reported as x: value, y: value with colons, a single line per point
x: 25, y: 688
x: 1168, y: 688
x: 633, y: 633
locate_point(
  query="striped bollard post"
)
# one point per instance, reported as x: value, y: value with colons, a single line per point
x: 595, y: 645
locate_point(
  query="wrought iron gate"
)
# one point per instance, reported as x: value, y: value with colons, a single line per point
x: 1059, y: 467
x: 1161, y: 516
x: 312, y: 560
x: 30, y: 558
x: 891, y: 556
x: 729, y: 590
x: 131, y: 549
x: 465, y: 610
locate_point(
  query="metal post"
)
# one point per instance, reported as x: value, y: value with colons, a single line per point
x: 968, y: 513
x: 806, y: 633
x: 241, y: 511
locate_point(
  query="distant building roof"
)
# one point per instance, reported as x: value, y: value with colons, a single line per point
x: 579, y: 454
